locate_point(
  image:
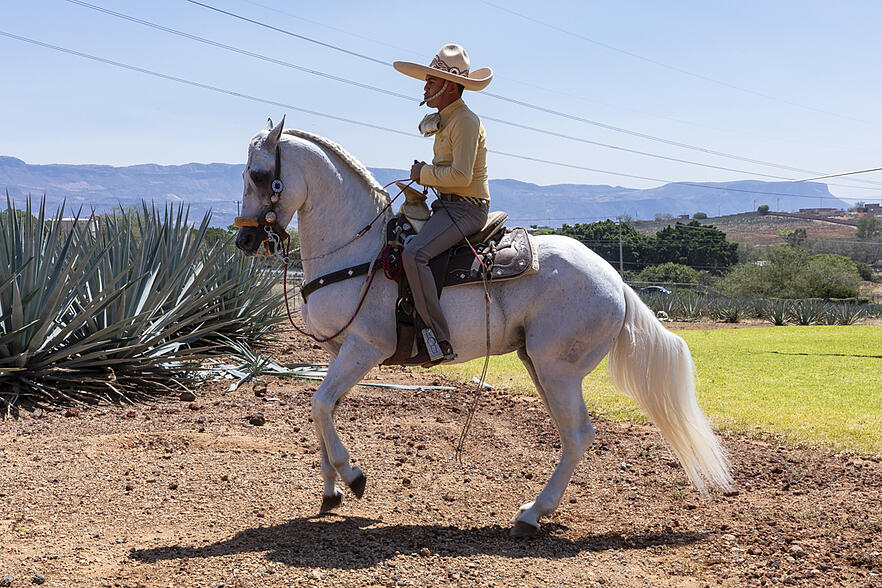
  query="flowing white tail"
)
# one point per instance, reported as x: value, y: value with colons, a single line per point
x: 654, y: 367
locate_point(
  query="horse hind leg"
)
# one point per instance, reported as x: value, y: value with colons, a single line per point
x: 560, y: 386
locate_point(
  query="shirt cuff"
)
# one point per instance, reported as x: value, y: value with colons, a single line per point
x: 427, y: 175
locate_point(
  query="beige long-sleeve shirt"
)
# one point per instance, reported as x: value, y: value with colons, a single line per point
x: 460, y: 162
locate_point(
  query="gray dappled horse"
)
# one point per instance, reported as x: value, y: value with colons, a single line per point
x: 561, y: 321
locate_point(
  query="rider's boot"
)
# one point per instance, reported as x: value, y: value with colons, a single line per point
x: 432, y: 352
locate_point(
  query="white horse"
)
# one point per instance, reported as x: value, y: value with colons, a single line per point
x: 561, y: 321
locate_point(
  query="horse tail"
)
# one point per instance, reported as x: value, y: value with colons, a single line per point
x: 654, y: 367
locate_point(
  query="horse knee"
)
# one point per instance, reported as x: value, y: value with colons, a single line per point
x: 321, y: 408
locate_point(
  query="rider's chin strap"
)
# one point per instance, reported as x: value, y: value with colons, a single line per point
x: 436, y: 94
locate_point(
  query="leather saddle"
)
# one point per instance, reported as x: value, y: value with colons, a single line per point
x: 496, y: 253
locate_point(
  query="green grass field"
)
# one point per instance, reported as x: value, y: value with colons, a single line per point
x: 818, y: 386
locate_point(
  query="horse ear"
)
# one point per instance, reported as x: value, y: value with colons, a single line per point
x: 276, y: 132
x: 269, y: 124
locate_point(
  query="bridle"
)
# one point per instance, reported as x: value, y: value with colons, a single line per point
x: 270, y: 219
x: 278, y: 240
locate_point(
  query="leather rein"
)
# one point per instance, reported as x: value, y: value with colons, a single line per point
x: 278, y: 246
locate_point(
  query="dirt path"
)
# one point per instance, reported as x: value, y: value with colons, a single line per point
x: 190, y: 494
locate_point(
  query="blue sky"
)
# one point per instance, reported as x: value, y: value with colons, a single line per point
x: 790, y: 83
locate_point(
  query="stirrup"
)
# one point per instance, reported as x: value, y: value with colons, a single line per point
x: 422, y: 358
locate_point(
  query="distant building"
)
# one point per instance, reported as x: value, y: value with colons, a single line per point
x: 67, y: 224
x: 819, y: 211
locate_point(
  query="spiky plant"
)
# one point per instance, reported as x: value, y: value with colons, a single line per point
x: 776, y: 311
x: 112, y: 314
x: 731, y: 310
x: 844, y: 313
x: 809, y: 311
x: 693, y: 306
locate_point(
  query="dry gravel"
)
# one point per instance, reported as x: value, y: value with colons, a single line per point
x: 200, y: 493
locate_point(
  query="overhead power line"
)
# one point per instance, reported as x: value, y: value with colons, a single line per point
x: 672, y: 67
x: 521, y: 103
x: 371, y: 125
x: 860, y: 171
x: 556, y: 91
x: 373, y: 88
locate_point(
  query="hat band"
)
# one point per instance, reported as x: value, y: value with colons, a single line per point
x: 439, y: 64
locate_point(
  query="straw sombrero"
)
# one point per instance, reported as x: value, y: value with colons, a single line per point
x: 451, y: 63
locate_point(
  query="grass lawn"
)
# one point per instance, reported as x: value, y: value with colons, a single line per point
x: 821, y: 386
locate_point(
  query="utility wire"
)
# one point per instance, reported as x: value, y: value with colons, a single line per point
x: 370, y: 125
x: 860, y: 171
x: 537, y: 86
x: 512, y: 100
x: 410, y: 99
x: 672, y: 67
x: 201, y: 85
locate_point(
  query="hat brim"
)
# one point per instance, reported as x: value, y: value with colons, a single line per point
x: 476, y: 80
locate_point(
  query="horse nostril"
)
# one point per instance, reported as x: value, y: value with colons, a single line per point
x: 244, y: 240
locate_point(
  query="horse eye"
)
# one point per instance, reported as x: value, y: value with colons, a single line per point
x: 260, y: 176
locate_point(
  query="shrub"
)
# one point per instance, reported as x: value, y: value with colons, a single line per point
x: 669, y: 272
x: 794, y: 273
x: 699, y: 215
x: 762, y: 208
x: 865, y: 271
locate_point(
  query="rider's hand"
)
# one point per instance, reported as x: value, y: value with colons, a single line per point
x: 415, y: 170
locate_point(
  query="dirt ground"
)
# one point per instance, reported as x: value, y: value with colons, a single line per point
x: 178, y: 493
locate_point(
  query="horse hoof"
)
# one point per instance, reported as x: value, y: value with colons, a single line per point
x: 522, y: 529
x: 329, y: 503
x: 357, y: 485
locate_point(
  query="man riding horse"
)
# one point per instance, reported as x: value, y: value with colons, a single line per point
x: 458, y: 172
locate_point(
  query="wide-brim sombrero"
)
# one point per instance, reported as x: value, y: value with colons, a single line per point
x: 452, y: 64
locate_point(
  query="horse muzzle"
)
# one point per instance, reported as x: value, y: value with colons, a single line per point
x: 249, y: 240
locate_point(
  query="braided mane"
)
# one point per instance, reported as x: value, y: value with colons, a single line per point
x: 354, y: 164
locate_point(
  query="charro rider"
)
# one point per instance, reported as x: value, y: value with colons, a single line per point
x: 459, y: 174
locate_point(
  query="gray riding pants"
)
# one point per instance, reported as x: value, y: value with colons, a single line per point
x: 449, y: 224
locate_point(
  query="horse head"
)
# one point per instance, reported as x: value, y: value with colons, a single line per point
x: 262, y: 207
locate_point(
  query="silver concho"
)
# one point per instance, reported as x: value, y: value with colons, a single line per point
x: 270, y: 217
x: 277, y: 186
x: 274, y: 198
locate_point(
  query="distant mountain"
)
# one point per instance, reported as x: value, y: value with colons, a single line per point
x: 217, y: 186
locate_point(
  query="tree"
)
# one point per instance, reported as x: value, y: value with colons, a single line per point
x: 694, y: 244
x: 762, y: 208
x: 795, y: 273
x: 868, y: 227
x: 669, y: 272
x: 699, y: 215
x: 794, y: 238
x: 603, y: 238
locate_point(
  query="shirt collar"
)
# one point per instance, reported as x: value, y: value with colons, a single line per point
x: 448, y: 111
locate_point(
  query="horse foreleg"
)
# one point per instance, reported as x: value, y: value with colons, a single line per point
x: 353, y: 361
x: 562, y: 391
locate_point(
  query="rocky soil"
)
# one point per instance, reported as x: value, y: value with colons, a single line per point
x: 224, y: 490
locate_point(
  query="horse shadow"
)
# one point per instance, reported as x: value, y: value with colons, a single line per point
x: 353, y: 543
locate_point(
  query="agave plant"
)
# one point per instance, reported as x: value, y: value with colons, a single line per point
x: 731, y: 310
x: 693, y: 306
x: 116, y: 313
x: 840, y: 313
x: 776, y: 311
x: 809, y: 311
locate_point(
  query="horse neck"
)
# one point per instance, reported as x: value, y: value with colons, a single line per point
x: 339, y: 205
